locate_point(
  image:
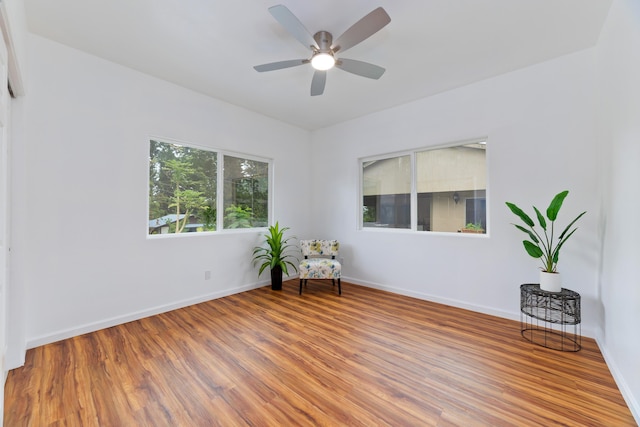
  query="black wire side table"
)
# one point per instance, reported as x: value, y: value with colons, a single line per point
x: 551, y: 319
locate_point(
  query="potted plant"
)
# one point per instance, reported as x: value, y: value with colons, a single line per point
x: 543, y: 244
x: 473, y: 228
x: 275, y: 255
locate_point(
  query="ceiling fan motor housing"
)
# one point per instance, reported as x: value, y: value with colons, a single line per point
x: 323, y: 58
x: 324, y: 40
x: 323, y: 48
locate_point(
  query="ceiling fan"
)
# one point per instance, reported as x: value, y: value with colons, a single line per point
x: 324, y: 48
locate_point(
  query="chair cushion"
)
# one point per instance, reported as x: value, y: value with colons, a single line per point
x: 312, y: 248
x: 319, y: 268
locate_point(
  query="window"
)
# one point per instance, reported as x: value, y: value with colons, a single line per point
x: 386, y: 189
x: 246, y: 193
x: 451, y: 188
x: 448, y: 186
x: 187, y: 185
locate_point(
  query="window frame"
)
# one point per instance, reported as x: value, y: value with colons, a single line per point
x: 414, y: 193
x: 220, y: 158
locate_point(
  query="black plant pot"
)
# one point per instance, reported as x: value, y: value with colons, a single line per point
x: 276, y: 278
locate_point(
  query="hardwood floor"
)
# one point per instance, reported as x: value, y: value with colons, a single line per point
x: 273, y: 358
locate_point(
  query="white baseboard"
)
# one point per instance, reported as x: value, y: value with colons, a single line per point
x: 633, y: 404
x: 627, y: 394
x: 107, y: 323
x: 511, y: 315
x: 434, y: 298
x: 117, y: 320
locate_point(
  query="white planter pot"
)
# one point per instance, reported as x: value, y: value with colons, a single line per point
x: 550, y: 282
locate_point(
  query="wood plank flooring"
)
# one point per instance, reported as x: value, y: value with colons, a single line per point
x: 273, y: 358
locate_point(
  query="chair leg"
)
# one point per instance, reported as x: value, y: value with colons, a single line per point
x: 333, y: 281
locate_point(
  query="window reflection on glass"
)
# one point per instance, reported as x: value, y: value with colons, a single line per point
x: 184, y: 190
x: 450, y: 190
x: 246, y: 193
x: 387, y: 193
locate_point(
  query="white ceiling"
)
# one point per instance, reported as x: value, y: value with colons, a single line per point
x: 210, y: 46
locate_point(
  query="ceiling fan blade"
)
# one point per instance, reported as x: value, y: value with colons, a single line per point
x: 280, y: 65
x: 293, y: 25
x: 318, y: 82
x: 362, y: 30
x: 360, y: 68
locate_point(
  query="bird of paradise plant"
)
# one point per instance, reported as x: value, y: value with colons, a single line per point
x: 542, y: 244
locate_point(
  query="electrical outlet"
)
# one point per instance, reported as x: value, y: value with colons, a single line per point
x: 341, y: 260
x: 207, y: 275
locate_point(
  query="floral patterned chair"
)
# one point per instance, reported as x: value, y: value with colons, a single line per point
x: 320, y: 261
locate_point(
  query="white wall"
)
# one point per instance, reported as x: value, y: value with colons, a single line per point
x: 619, y: 138
x: 539, y: 124
x: 15, y: 29
x: 86, y: 260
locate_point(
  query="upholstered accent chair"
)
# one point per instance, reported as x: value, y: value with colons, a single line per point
x: 320, y: 262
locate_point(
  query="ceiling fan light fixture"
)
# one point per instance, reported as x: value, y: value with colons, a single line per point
x: 324, y: 49
x: 323, y: 61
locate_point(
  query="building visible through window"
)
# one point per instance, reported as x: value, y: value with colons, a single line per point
x: 386, y: 185
x: 449, y: 185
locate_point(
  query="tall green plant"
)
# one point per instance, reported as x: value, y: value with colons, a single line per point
x: 276, y: 251
x: 238, y: 217
x: 209, y: 214
x: 542, y: 245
